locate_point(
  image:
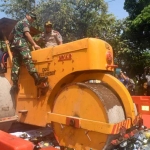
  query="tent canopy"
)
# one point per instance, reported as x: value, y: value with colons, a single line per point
x: 6, y: 26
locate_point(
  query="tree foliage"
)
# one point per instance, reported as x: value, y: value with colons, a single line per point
x: 139, y: 18
x: 75, y: 19
x: 137, y: 35
x: 134, y: 7
x: 17, y: 9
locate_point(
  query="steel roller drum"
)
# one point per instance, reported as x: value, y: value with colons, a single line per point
x: 91, y: 101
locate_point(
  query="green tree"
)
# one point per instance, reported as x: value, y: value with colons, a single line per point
x: 139, y: 18
x: 76, y: 19
x: 134, y: 7
x: 135, y: 37
x: 17, y: 8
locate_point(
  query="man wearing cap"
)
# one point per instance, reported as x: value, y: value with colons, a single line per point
x: 50, y: 37
x: 19, y: 38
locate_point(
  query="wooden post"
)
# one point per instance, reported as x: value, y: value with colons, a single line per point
x: 33, y: 48
x: 8, y: 48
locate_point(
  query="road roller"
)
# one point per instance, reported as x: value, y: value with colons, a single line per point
x: 85, y: 105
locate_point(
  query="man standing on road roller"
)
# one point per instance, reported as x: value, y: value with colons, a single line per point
x: 19, y: 38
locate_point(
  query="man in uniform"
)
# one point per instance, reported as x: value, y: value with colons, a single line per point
x: 50, y: 37
x: 19, y: 38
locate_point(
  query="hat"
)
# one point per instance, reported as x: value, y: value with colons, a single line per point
x: 33, y: 15
x: 48, y: 23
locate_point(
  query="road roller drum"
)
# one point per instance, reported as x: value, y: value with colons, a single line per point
x: 90, y: 102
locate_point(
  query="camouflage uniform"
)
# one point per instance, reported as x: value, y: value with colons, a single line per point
x: 51, y: 39
x: 21, y: 51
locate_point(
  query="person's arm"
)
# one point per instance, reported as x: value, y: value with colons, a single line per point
x: 31, y: 41
x: 125, y: 77
x: 58, y: 38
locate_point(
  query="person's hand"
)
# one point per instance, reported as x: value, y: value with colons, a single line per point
x: 37, y: 46
x: 6, y: 42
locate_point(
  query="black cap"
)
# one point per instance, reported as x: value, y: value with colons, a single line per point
x: 33, y: 15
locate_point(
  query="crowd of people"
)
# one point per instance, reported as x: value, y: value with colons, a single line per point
x: 128, y: 82
x: 143, y: 82
x: 139, y: 86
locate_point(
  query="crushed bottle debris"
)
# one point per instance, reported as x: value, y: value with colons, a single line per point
x: 139, y: 141
x: 41, y: 138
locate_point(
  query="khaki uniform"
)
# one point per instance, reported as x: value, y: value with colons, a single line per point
x: 51, y: 39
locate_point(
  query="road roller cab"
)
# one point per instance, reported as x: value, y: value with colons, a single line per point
x: 83, y: 114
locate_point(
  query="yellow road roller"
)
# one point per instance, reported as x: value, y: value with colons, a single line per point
x: 87, y: 107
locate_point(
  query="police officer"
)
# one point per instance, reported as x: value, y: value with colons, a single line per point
x: 19, y: 38
x: 50, y: 37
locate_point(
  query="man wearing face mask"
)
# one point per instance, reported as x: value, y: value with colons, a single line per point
x: 19, y: 39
